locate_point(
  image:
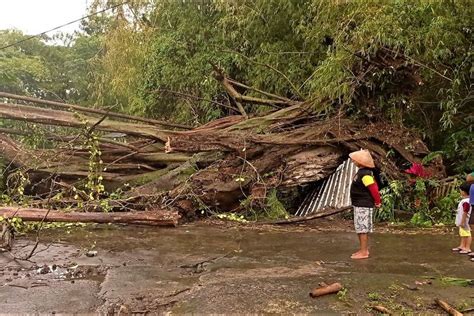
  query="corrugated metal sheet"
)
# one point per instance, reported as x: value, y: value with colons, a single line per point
x: 333, y: 192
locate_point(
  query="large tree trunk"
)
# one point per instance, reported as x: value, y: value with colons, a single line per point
x: 214, y: 166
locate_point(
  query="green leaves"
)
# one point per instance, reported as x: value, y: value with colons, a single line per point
x: 153, y: 58
x: 54, y: 71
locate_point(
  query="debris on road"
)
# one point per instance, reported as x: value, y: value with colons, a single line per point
x: 326, y: 289
x: 448, y: 308
x: 381, y: 309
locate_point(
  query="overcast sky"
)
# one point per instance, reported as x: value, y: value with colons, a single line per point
x: 36, y: 16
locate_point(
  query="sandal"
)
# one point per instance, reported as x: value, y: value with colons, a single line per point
x: 471, y: 254
x: 464, y: 252
x: 456, y: 249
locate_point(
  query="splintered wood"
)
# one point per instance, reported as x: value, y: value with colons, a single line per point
x: 171, y: 166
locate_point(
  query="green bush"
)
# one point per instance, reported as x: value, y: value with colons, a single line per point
x: 414, y: 197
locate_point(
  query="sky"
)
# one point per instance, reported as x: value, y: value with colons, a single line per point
x: 36, y: 16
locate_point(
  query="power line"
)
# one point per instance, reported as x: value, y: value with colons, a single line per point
x: 63, y: 25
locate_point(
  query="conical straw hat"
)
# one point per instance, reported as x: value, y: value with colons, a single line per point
x: 363, y: 158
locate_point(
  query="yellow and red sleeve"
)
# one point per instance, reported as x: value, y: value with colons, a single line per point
x: 371, y: 185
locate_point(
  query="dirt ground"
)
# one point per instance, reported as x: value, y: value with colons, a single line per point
x: 211, y: 267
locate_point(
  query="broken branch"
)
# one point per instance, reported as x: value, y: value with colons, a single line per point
x: 63, y: 118
x: 328, y: 289
x: 381, y: 309
x: 79, y: 108
x: 448, y: 308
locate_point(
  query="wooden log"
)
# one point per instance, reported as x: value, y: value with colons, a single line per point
x: 328, y: 289
x: 288, y: 147
x: 64, y: 118
x: 448, y: 308
x: 152, y: 218
x: 381, y: 309
x: 79, y: 108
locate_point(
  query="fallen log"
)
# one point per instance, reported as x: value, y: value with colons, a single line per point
x: 78, y: 108
x: 448, y: 308
x: 228, y: 163
x: 328, y: 289
x: 152, y: 218
x: 68, y: 119
x: 381, y: 309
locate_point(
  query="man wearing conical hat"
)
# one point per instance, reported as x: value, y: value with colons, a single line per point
x: 365, y: 197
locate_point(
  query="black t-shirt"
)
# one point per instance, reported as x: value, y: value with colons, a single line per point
x: 360, y: 195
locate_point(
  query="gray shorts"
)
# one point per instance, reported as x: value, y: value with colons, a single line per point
x: 363, y: 219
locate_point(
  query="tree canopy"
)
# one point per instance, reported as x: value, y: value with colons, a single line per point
x: 42, y: 68
x: 155, y: 58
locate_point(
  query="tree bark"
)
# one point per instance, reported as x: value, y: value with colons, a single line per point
x: 152, y: 218
x: 79, y: 108
x: 448, y: 308
x: 381, y: 309
x: 328, y: 289
x: 63, y: 118
x: 218, y: 165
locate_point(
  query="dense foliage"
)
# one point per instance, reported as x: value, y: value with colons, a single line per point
x: 39, y: 68
x: 154, y: 58
x: 159, y: 60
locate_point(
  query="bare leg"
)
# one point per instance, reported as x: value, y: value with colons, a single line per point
x: 363, y: 253
x: 364, y: 243
x: 463, y: 243
x: 466, y: 243
x: 358, y: 251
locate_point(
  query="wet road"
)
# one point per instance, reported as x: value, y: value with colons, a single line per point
x: 204, y: 269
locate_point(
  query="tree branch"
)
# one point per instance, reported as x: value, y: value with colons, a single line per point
x: 195, y: 97
x: 295, y: 89
x: 219, y: 75
x: 90, y: 110
x: 239, y: 84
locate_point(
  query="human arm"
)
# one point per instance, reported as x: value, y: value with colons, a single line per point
x: 465, y: 211
x: 371, y: 185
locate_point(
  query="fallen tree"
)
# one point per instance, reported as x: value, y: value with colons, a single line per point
x: 153, y: 218
x: 228, y: 164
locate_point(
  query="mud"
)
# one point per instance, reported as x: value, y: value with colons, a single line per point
x: 227, y: 269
